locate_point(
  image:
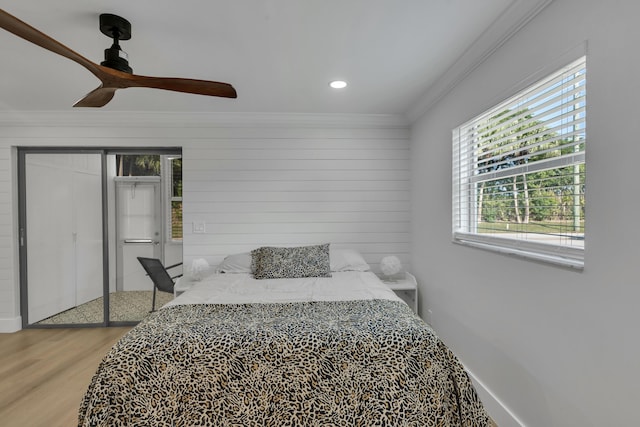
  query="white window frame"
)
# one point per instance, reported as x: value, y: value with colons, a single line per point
x: 468, y: 170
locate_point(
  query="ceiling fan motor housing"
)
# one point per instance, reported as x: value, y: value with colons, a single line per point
x: 116, y: 58
x: 117, y: 28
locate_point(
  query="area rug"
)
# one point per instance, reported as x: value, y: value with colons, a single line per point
x: 128, y: 306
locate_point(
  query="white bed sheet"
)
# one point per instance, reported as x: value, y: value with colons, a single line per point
x: 241, y: 288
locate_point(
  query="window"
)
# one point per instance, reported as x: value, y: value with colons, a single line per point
x: 175, y: 197
x: 519, y: 172
x: 137, y: 165
x: 171, y: 172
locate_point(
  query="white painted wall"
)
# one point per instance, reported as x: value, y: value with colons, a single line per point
x: 556, y: 347
x: 253, y: 180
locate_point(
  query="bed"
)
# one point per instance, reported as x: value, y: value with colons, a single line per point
x: 339, y: 349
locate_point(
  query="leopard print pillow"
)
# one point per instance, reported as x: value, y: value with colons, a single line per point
x: 280, y: 263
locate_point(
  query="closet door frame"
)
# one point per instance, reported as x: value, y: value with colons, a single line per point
x: 22, y: 224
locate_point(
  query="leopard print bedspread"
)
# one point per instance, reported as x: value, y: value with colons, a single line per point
x: 344, y: 363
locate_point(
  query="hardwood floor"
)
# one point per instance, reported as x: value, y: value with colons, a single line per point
x: 45, y: 372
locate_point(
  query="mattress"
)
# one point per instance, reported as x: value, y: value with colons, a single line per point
x: 242, y: 288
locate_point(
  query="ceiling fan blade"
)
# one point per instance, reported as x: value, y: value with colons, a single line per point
x: 114, y: 79
x: 27, y: 32
x: 200, y: 87
x: 97, y: 98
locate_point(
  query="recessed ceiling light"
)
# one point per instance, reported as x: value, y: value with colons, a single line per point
x: 338, y: 84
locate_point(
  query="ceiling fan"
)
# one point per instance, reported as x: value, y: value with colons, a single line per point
x: 115, y: 72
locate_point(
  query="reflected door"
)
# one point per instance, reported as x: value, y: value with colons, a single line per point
x: 138, y: 213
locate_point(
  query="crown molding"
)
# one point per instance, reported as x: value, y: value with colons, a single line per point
x: 93, y: 118
x: 516, y: 16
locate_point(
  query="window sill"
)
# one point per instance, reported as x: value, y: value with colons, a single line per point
x: 564, y: 257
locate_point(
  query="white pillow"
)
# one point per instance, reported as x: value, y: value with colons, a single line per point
x: 347, y: 260
x: 235, y: 263
x: 340, y: 260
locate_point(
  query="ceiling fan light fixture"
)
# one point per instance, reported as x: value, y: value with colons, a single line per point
x: 338, y: 84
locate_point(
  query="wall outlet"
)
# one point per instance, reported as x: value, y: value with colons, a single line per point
x: 199, y: 227
x: 429, y: 317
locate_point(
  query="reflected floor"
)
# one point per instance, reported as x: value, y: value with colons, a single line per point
x: 129, y: 306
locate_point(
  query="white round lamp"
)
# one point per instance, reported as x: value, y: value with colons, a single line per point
x: 199, y: 269
x: 390, y: 266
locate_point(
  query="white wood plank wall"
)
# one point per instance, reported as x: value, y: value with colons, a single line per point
x: 349, y: 188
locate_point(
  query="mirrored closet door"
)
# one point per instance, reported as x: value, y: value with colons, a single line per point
x: 62, y: 237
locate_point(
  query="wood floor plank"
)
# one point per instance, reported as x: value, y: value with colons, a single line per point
x: 45, y: 372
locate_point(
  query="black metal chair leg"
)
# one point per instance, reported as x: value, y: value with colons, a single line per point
x: 153, y: 306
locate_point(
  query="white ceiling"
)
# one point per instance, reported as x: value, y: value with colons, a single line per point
x: 278, y: 54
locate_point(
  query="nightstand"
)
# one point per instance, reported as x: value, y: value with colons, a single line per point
x: 407, y: 289
x: 181, y: 285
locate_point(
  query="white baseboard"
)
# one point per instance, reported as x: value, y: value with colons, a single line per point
x: 498, y: 411
x: 9, y: 325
